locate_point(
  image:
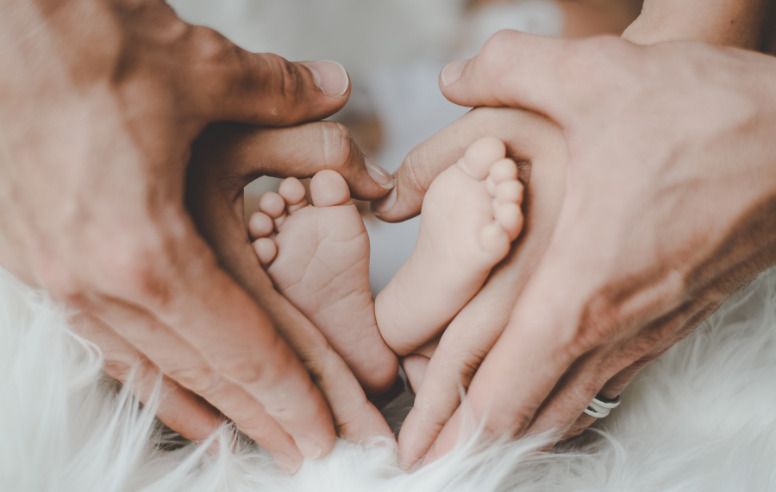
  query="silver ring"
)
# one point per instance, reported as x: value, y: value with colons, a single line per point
x: 600, y: 406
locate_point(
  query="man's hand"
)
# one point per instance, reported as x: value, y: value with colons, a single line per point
x: 669, y: 207
x: 100, y: 102
x: 439, y: 369
x: 226, y: 158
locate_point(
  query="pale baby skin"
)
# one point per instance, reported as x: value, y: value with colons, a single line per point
x: 318, y: 257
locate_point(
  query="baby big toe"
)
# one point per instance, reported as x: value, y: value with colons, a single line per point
x: 481, y: 155
x: 329, y: 189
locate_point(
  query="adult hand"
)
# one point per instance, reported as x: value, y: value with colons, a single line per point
x: 440, y: 368
x: 225, y: 159
x: 656, y: 228
x: 98, y: 111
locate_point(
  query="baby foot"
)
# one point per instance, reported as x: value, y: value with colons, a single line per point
x: 318, y: 258
x: 471, y: 214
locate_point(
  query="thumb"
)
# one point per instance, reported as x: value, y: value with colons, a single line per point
x: 238, y: 154
x: 262, y: 88
x: 512, y: 69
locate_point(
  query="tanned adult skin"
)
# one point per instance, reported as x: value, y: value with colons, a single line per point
x: 643, y: 249
x: 100, y: 103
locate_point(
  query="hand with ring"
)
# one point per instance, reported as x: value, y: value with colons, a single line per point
x: 653, y: 227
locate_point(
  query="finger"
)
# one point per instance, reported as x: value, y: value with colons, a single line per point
x: 355, y: 417
x: 184, y: 288
x: 526, y: 134
x: 536, y: 348
x: 612, y: 389
x: 261, y: 88
x: 300, y: 152
x: 561, y: 79
x: 262, y: 363
x: 557, y: 352
x: 512, y: 69
x: 415, y: 368
x: 652, y: 342
x: 461, y: 349
x: 437, y: 398
x: 474, y: 331
x: 188, y: 367
x: 179, y: 409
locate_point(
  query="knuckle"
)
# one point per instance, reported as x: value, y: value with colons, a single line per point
x: 493, y: 57
x: 62, y: 283
x: 200, y: 379
x: 583, y: 63
x: 597, y: 322
x: 118, y: 370
x: 216, y: 58
x: 281, y: 82
x: 286, y: 82
x: 292, y: 81
x: 244, y: 370
x: 135, y: 269
x: 131, y: 372
x: 469, y: 368
x: 211, y: 47
x: 579, y: 426
x: 498, y: 45
x: 322, y: 363
x: 252, y: 422
x: 510, y: 423
x: 337, y: 145
x: 416, y: 171
x: 589, y: 51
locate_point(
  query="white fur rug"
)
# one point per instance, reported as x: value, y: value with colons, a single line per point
x: 702, y: 418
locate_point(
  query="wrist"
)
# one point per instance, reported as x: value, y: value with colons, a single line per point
x: 721, y: 22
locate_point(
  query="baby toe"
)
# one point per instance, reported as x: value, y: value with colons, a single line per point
x: 481, y: 155
x: 266, y: 250
x: 494, y: 240
x: 510, y: 218
x: 503, y: 170
x: 292, y: 191
x: 272, y: 204
x: 260, y: 225
x: 329, y: 189
x: 491, y: 187
x: 509, y: 192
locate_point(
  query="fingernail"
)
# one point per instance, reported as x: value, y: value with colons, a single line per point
x: 453, y: 71
x: 385, y: 203
x: 380, y: 175
x: 330, y: 77
x: 286, y: 462
x: 309, y: 448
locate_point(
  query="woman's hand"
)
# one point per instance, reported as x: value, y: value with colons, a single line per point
x: 100, y: 102
x: 669, y: 207
x: 225, y: 159
x: 439, y: 369
x: 228, y: 157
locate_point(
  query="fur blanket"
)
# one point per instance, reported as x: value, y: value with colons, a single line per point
x: 701, y: 418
